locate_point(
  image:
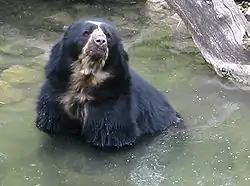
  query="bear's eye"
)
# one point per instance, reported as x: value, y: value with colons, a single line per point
x: 86, y: 33
x: 108, y: 35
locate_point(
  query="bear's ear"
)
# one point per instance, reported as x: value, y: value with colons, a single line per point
x: 65, y: 28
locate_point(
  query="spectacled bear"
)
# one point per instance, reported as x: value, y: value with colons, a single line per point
x: 91, y: 91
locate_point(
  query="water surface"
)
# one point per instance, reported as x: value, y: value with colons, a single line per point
x: 214, y: 150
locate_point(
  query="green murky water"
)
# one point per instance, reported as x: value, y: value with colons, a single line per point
x: 213, y: 151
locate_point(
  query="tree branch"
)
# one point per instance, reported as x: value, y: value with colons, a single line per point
x: 218, y: 28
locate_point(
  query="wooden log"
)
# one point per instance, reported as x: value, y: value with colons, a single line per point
x: 221, y: 32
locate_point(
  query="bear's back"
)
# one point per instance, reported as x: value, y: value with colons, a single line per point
x: 150, y: 107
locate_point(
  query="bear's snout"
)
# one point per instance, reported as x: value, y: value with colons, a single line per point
x: 100, y: 40
x: 97, y: 46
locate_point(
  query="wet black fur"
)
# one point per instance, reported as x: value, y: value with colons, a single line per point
x: 126, y: 106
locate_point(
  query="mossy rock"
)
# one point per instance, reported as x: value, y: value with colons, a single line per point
x: 7, y: 60
x: 162, y: 38
x: 21, y: 49
x: 128, y: 32
x: 3, y: 40
x: 118, y: 20
x: 39, y: 60
x: 146, y: 51
x: 154, y: 36
x: 25, y: 105
x: 182, y: 46
x: 9, y: 94
x: 57, y: 21
x: 18, y: 74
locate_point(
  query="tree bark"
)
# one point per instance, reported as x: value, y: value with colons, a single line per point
x: 219, y: 30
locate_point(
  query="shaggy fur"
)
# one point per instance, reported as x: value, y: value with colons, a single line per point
x: 101, y: 99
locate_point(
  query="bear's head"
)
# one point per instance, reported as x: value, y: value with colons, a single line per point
x: 89, y: 52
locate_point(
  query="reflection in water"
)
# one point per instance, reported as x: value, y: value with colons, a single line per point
x: 140, y: 166
x: 214, y: 150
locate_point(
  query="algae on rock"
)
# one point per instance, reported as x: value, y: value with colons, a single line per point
x: 25, y: 105
x: 18, y: 74
x: 21, y: 49
x: 163, y: 37
x: 9, y: 94
x: 39, y: 61
x: 57, y: 21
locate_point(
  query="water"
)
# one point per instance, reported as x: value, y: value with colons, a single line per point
x: 214, y: 150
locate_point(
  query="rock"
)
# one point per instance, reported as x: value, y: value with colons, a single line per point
x: 18, y: 74
x: 133, y: 16
x: 21, y: 49
x: 118, y: 21
x: 84, y: 10
x: 57, y: 21
x: 9, y: 33
x: 7, y: 60
x: 39, y: 60
x: 158, y: 10
x: 183, y: 46
x: 160, y: 13
x: 25, y: 105
x: 163, y: 39
x: 9, y: 94
x: 128, y: 32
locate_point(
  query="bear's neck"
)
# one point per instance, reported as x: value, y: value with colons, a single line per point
x: 87, y: 89
x: 96, y: 87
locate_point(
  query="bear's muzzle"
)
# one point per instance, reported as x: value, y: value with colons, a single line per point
x: 96, y: 47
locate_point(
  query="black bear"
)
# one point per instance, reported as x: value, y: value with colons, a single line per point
x: 91, y: 91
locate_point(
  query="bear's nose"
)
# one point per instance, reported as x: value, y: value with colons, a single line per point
x: 100, y: 40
